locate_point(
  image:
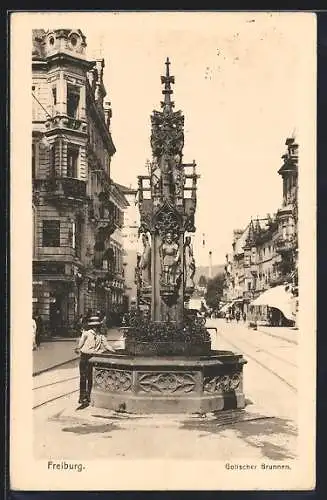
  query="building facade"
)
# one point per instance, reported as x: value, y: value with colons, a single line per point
x: 77, y: 209
x: 265, y: 253
x: 131, y: 243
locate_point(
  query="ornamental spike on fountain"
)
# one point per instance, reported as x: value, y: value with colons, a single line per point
x: 167, y: 364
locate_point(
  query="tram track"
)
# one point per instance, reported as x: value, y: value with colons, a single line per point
x: 54, y: 390
x: 269, y: 334
x: 260, y: 362
x: 43, y: 403
x: 273, y: 355
x: 54, y: 383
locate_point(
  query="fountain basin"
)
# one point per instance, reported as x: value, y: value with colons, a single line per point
x: 168, y: 384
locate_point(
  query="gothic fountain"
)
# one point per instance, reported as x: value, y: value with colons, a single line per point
x: 167, y: 365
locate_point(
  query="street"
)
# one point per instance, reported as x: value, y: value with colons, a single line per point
x: 265, y: 430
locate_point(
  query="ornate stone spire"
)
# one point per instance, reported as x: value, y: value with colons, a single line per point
x: 167, y: 134
x: 167, y: 104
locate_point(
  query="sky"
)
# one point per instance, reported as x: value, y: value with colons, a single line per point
x: 237, y: 81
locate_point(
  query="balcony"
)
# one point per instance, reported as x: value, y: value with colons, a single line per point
x: 66, y: 188
x: 284, y: 245
x: 106, y: 224
x: 106, y: 216
x: 64, y: 122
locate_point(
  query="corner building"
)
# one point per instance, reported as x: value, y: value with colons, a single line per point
x: 77, y: 209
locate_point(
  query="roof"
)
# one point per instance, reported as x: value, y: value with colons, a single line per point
x: 115, y: 189
x: 125, y: 189
x: 240, y: 242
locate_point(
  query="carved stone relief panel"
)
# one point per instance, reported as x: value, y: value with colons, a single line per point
x: 222, y: 383
x: 113, y: 380
x: 166, y: 382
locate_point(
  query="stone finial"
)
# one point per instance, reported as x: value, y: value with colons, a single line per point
x: 167, y: 80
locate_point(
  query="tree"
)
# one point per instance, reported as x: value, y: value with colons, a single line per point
x: 215, y: 289
x: 202, y: 281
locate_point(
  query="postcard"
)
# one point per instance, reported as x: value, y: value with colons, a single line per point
x: 163, y: 247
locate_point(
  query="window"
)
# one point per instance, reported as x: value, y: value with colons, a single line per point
x: 54, y: 95
x: 99, y: 248
x: 73, y: 235
x: 33, y: 160
x: 53, y: 160
x: 78, y: 238
x: 51, y: 233
x: 72, y: 161
x: 73, y: 94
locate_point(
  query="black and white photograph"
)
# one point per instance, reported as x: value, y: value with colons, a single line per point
x: 163, y: 250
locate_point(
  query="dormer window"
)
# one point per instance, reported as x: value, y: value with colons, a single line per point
x: 73, y: 96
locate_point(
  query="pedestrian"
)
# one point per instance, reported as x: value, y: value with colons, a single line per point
x: 33, y: 334
x: 238, y: 316
x: 244, y: 316
x: 39, y: 330
x: 57, y: 322
x: 91, y: 341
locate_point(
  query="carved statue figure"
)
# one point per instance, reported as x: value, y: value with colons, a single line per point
x: 137, y: 275
x: 165, y: 166
x: 155, y: 177
x: 145, y: 261
x: 189, y: 264
x: 178, y: 178
x: 170, y: 260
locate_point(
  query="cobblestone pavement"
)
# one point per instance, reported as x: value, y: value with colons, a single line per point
x: 266, y: 430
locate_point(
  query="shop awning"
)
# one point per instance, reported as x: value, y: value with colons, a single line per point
x: 277, y: 297
x: 225, y: 307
